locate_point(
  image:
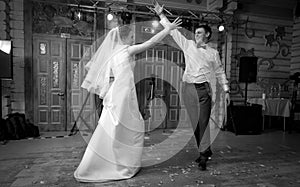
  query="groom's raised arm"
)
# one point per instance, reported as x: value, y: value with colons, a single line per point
x: 181, y: 41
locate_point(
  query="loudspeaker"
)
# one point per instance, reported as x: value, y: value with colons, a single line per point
x: 295, y: 76
x: 245, y: 119
x: 248, y: 69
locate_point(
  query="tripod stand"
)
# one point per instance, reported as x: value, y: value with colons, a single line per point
x: 75, y: 129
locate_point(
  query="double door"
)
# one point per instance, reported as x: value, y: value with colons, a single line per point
x: 158, y: 74
x: 58, y: 73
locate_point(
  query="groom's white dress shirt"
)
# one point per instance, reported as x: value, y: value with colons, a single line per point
x: 200, y: 61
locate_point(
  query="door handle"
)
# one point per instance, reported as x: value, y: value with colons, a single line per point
x: 159, y: 95
x: 60, y: 94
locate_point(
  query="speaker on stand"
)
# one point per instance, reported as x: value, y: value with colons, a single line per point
x: 248, y: 71
x: 245, y: 119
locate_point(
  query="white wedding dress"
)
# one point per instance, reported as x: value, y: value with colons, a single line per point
x: 115, y: 148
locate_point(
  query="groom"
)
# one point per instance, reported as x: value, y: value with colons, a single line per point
x: 201, y: 62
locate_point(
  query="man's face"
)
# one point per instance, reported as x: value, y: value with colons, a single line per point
x: 200, y: 35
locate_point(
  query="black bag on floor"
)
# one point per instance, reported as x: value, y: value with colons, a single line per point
x: 18, y: 127
x: 32, y: 130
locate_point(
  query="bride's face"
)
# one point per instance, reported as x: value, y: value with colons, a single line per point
x: 129, y: 39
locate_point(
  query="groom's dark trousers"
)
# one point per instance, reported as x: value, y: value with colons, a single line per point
x: 197, y: 100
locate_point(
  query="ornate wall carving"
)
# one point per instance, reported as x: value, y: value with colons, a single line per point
x: 57, y: 19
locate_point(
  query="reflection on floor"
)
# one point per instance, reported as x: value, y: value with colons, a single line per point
x: 269, y: 159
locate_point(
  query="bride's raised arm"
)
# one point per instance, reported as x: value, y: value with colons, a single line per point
x: 135, y: 49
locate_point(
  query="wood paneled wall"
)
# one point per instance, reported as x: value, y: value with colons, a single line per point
x: 249, y: 38
x: 295, y: 61
x: 11, y: 28
x: 17, y: 37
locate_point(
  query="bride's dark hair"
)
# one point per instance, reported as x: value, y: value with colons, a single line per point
x: 124, y: 31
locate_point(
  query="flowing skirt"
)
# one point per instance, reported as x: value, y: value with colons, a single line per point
x: 115, y: 148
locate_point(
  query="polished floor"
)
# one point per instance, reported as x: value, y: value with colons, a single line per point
x: 268, y: 159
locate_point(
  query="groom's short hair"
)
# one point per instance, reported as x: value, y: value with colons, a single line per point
x: 206, y: 28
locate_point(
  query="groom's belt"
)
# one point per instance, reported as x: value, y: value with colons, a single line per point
x: 203, y: 84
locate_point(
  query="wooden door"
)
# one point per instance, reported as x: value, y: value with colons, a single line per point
x: 81, y: 105
x: 165, y: 64
x: 176, y: 108
x: 59, y: 71
x: 151, y: 64
x: 49, y: 82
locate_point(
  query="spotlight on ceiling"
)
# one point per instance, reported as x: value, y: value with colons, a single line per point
x: 109, y: 16
x: 79, y: 15
x: 221, y: 28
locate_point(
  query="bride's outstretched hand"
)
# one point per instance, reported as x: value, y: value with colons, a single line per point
x: 175, y: 24
x: 157, y: 8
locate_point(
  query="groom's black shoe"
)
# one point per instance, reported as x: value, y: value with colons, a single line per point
x: 202, y: 162
x: 208, y: 153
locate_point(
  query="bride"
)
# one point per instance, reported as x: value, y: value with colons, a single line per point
x: 115, y: 148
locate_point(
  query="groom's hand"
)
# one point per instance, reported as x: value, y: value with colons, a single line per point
x: 175, y: 24
x: 227, y: 98
x: 157, y: 8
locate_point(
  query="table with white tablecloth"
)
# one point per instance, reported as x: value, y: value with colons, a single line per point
x: 273, y: 107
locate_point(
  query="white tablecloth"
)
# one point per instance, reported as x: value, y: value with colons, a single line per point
x: 273, y: 107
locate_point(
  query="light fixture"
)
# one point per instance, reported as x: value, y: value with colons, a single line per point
x: 78, y: 12
x: 221, y: 28
x: 79, y: 15
x: 109, y: 16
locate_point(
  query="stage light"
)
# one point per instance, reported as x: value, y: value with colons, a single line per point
x: 126, y: 17
x: 109, y: 16
x: 221, y: 28
x: 79, y: 15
